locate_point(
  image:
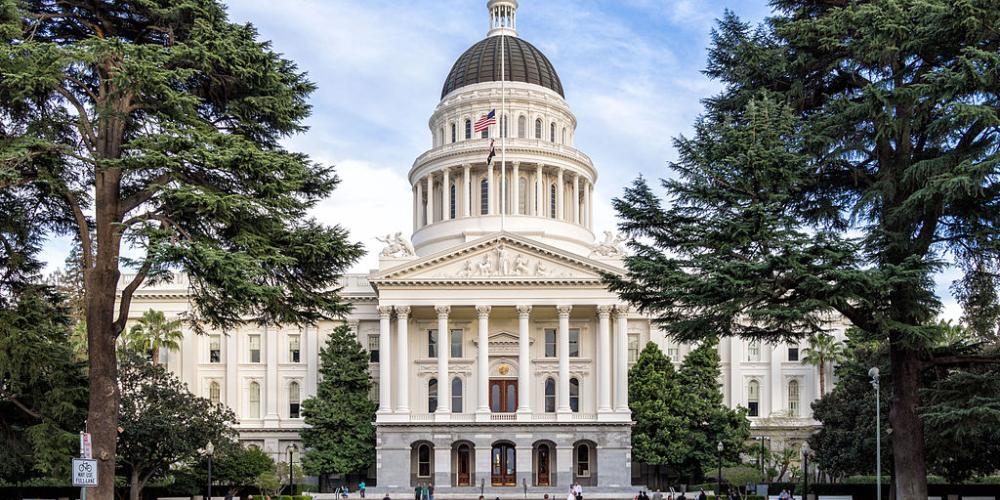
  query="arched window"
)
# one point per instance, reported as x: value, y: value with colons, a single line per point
x: 214, y: 392
x: 454, y: 132
x: 254, y: 400
x: 552, y: 201
x: 550, y: 395
x: 583, y: 460
x: 753, y: 351
x: 574, y: 395
x: 456, y: 395
x: 424, y: 460
x: 440, y: 136
x: 522, y: 127
x: 452, y: 202
x: 564, y: 135
x: 753, y: 398
x: 793, y: 398
x: 432, y: 395
x: 484, y: 196
x: 552, y: 132
x: 468, y: 128
x: 503, y: 126
x: 538, y: 128
x: 522, y: 196
x: 293, y: 400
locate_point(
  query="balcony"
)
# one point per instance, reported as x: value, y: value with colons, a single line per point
x: 503, y: 418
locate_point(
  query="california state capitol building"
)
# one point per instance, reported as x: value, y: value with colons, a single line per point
x: 499, y: 359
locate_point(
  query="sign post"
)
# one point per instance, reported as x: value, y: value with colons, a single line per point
x: 85, y: 467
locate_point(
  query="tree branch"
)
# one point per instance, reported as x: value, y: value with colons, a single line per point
x: 146, y: 193
x: 960, y: 360
x: 10, y: 397
x: 126, y: 299
x: 86, y: 128
x: 83, y: 228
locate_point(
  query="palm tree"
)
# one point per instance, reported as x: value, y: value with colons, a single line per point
x: 153, y: 331
x: 823, y: 349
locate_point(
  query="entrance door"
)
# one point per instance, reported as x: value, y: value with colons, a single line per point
x: 464, y: 461
x: 503, y: 461
x: 543, y: 465
x: 503, y: 396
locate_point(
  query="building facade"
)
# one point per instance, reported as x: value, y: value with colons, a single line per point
x: 499, y: 357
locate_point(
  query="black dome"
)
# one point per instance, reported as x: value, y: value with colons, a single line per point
x: 523, y: 63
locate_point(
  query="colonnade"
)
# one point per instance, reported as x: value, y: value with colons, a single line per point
x: 611, y: 359
x: 432, y: 193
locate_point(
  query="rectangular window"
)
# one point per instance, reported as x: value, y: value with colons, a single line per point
x: 432, y: 343
x: 753, y: 351
x: 294, y: 344
x: 373, y: 348
x: 293, y: 400
x: 456, y: 343
x: 484, y: 197
x: 793, y: 352
x: 255, y: 348
x: 485, y: 134
x: 574, y: 342
x: 754, y: 409
x: 550, y: 342
x: 215, y: 348
x: 674, y: 353
x: 633, y: 347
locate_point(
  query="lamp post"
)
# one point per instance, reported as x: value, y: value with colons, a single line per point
x: 805, y: 471
x: 760, y: 457
x: 291, y: 477
x: 719, y: 447
x: 209, y: 450
x: 873, y: 373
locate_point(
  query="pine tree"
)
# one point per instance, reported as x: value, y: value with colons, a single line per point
x: 153, y: 129
x: 853, y: 147
x: 341, y: 436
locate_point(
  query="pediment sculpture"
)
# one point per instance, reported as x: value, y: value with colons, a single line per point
x: 397, y: 246
x: 611, y: 246
x: 501, y: 262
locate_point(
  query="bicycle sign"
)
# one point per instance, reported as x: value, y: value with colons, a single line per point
x: 84, y: 472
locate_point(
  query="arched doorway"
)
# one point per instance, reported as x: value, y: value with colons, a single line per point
x: 503, y: 463
x: 463, y: 464
x: 544, y: 463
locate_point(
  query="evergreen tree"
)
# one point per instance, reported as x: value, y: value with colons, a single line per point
x: 341, y: 435
x: 853, y: 146
x: 655, y: 398
x: 155, y: 126
x: 709, y: 421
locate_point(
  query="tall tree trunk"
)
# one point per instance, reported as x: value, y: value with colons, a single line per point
x: 136, y: 486
x: 102, y: 283
x: 822, y: 379
x: 156, y: 355
x: 907, y: 429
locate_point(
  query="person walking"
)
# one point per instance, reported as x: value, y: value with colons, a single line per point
x: 702, y: 495
x: 578, y: 491
x: 430, y: 492
x: 361, y: 489
x: 418, y: 492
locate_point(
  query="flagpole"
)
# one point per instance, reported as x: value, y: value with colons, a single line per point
x: 504, y: 127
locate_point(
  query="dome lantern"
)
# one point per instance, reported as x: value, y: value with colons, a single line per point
x: 503, y: 17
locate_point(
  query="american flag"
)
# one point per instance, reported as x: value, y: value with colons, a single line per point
x: 485, y: 122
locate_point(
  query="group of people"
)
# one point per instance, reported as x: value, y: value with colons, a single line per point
x: 424, y: 491
x: 681, y: 496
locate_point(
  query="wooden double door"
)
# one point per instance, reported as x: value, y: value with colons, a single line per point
x: 503, y: 459
x: 503, y: 396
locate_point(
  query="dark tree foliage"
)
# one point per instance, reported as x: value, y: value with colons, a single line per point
x: 162, y: 423
x: 680, y: 417
x: 341, y: 436
x: 43, y: 389
x: 155, y: 126
x: 853, y: 149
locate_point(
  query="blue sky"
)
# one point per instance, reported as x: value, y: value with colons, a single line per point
x: 631, y: 70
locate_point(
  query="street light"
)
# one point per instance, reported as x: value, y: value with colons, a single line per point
x: 805, y: 471
x: 209, y: 450
x: 873, y: 373
x: 760, y: 457
x: 719, y: 447
x: 291, y: 478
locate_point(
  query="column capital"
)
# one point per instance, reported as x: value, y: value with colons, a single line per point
x: 402, y: 311
x: 604, y: 310
x: 445, y: 169
x: 442, y: 311
x: 523, y: 310
x: 467, y: 166
x: 622, y: 309
x: 515, y: 164
x: 564, y: 310
x: 385, y: 311
x: 484, y: 311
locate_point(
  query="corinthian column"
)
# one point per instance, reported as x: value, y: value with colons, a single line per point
x: 563, y: 406
x: 523, y: 360
x: 430, y: 199
x: 603, y: 359
x: 384, y: 360
x: 576, y: 198
x: 483, y: 361
x: 621, y: 359
x: 402, y: 368
x: 444, y: 350
x: 445, y: 194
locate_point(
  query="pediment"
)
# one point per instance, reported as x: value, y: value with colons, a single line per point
x: 501, y: 258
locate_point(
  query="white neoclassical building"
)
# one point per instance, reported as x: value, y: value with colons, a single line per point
x: 499, y: 357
